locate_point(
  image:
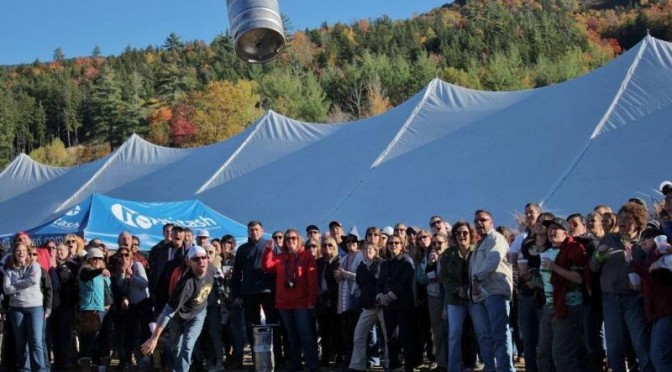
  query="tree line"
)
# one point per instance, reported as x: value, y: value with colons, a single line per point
x: 72, y: 110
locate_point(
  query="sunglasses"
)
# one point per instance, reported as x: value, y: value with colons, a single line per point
x: 71, y: 241
x: 51, y: 246
x: 462, y: 233
x: 372, y: 234
x: 329, y: 245
x: 313, y: 232
x: 277, y: 237
x: 434, y: 223
x: 125, y: 255
x: 199, y: 258
x: 394, y: 242
x: 291, y: 238
x: 438, y: 242
x: 424, y: 237
x: 312, y: 246
x: 34, y: 254
x: 481, y: 220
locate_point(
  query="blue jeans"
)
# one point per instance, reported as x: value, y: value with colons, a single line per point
x: 28, y: 327
x: 661, y: 352
x: 498, y: 312
x: 529, y: 317
x: 300, y: 327
x: 456, y: 316
x: 183, y: 336
x: 623, y: 317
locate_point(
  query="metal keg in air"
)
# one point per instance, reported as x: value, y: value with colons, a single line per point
x: 257, y: 30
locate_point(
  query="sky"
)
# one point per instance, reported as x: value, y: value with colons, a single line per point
x: 33, y: 29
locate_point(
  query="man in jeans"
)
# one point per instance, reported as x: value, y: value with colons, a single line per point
x: 491, y: 289
x: 185, y: 310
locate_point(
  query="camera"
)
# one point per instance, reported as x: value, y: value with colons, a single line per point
x: 290, y: 284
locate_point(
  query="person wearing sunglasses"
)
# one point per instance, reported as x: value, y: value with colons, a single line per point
x: 296, y: 295
x: 63, y: 311
x: 185, y: 311
x: 75, y: 248
x: 492, y: 289
x: 395, y: 295
x: 423, y: 331
x: 327, y: 320
x: 93, y: 280
x: 454, y: 277
x: 21, y: 283
x: 132, y: 306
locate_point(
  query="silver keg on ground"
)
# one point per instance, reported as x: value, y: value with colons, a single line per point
x: 257, y: 30
x: 263, y: 347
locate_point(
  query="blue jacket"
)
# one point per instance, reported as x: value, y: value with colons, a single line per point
x: 92, y: 289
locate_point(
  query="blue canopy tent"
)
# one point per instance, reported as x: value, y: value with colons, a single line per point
x: 103, y: 217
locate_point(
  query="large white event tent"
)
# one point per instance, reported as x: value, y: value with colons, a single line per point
x: 601, y: 138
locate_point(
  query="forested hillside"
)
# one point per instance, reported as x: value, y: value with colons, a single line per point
x: 190, y: 93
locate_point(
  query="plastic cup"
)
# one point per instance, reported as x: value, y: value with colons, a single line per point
x: 661, y: 243
x: 522, y: 264
x: 634, y: 279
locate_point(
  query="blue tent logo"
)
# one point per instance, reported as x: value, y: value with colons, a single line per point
x: 131, y: 217
x: 74, y: 211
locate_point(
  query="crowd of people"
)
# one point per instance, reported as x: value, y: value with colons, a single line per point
x: 581, y: 293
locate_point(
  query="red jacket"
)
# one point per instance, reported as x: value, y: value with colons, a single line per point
x: 300, y: 269
x: 656, y: 286
x: 571, y: 254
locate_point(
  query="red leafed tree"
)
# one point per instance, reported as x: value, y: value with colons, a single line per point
x: 182, y: 129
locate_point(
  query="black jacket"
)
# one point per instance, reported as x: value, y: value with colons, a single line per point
x: 367, y: 280
x: 397, y: 275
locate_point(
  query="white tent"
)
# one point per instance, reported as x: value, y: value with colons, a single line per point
x: 600, y: 138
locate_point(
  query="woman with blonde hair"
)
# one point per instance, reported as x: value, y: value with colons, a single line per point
x: 75, y: 246
x: 26, y: 312
x: 313, y: 246
x: 327, y: 319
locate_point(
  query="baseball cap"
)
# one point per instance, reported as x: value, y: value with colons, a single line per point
x: 560, y: 222
x: 94, y: 253
x: 196, y: 250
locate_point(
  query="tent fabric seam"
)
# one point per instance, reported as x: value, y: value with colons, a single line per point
x: 233, y: 156
x: 605, y: 117
x: 407, y: 123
